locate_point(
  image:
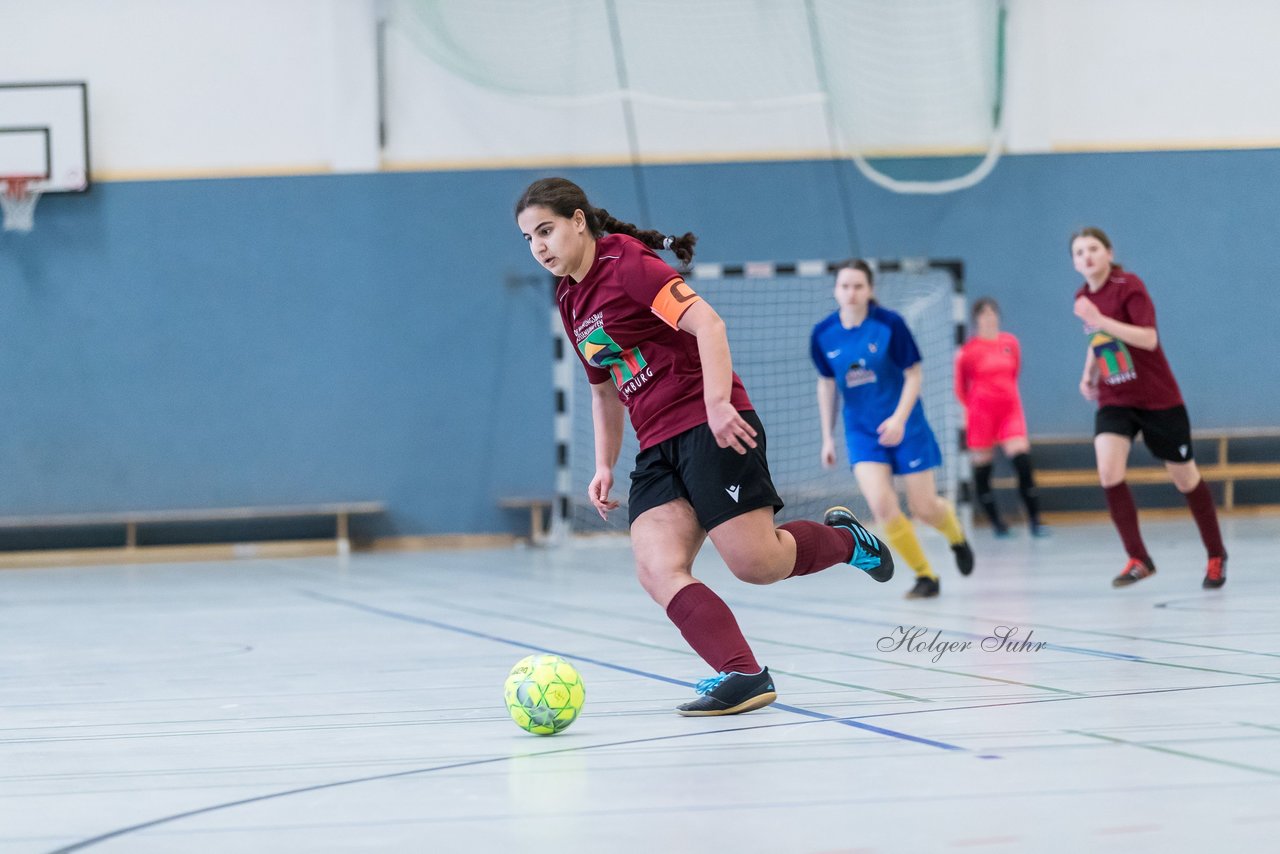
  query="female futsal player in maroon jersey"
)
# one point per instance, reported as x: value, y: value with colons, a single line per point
x: 654, y: 348
x: 987, y: 369
x: 1126, y: 372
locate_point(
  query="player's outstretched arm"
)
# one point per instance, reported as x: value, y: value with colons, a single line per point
x: 607, y: 413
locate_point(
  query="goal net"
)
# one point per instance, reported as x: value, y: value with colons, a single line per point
x: 910, y: 91
x: 770, y: 310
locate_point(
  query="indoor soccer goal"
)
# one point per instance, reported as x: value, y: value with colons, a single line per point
x: 770, y: 310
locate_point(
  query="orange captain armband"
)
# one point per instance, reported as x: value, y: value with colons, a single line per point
x: 673, y: 301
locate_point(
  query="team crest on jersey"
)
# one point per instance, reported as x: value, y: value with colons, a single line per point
x: 872, y: 347
x: 858, y: 374
x: 1115, y: 362
x: 627, y: 367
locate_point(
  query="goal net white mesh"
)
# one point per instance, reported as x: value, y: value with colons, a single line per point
x: 883, y: 83
x: 770, y: 311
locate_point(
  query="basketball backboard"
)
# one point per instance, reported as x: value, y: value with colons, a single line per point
x: 44, y: 134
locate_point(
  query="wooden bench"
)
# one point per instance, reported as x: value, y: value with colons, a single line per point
x: 538, y: 507
x: 1219, y: 470
x: 132, y: 520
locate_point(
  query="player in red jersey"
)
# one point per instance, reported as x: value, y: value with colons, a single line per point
x: 987, y: 369
x: 654, y: 348
x: 1126, y: 372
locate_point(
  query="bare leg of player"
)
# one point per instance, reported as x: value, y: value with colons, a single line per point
x: 925, y: 503
x: 875, y: 481
x: 665, y: 541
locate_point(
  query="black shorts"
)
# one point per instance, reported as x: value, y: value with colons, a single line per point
x: 1166, y: 432
x: 719, y: 482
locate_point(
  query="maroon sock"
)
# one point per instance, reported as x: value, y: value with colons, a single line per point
x: 1124, y: 513
x: 818, y: 546
x: 710, y: 628
x: 1200, y: 500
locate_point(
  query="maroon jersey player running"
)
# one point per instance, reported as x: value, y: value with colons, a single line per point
x: 1126, y: 372
x: 653, y: 347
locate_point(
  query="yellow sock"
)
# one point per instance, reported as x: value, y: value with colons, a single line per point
x: 950, y: 525
x: 901, y: 535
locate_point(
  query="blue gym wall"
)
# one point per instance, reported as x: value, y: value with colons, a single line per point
x: 299, y: 339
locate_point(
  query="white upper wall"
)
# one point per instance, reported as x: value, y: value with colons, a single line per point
x: 199, y: 87
x: 1131, y: 74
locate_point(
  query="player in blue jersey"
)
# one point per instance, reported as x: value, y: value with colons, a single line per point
x: 868, y: 353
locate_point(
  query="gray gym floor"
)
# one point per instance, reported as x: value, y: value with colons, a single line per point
x: 322, y: 704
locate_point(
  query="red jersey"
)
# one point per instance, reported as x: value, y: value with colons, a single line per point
x: 622, y: 318
x: 987, y: 370
x: 1129, y: 376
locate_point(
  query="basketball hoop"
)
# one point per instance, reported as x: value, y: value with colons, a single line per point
x: 18, y: 197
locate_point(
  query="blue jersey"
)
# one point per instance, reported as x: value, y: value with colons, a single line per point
x: 867, y: 362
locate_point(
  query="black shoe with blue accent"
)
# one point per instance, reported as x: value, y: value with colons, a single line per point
x: 869, y: 554
x: 731, y: 694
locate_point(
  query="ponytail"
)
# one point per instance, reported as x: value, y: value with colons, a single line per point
x: 564, y: 197
x: 682, y: 245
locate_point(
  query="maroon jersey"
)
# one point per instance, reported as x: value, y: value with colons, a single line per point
x: 622, y: 318
x: 1129, y: 376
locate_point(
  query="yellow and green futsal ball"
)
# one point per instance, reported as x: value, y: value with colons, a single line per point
x: 544, y: 694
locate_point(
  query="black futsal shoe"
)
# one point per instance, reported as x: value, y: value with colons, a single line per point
x: 731, y: 694
x: 964, y: 557
x: 1134, y: 571
x: 1216, y: 575
x: 869, y: 554
x: 927, y: 587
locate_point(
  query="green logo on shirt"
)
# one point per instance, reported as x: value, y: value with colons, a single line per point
x: 1115, y: 363
x: 601, y: 351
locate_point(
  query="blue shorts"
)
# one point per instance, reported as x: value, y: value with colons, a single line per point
x: 918, y: 451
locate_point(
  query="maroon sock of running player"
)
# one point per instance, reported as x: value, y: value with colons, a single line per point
x: 1124, y: 513
x: 710, y: 628
x: 818, y: 546
x: 1200, y: 500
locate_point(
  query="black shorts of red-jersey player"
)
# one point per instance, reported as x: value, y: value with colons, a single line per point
x: 718, y: 482
x: 1165, y: 432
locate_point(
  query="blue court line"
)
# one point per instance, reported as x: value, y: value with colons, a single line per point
x: 1107, y: 696
x: 319, y: 787
x: 85, y: 843
x: 426, y: 621
x: 841, y: 618
x: 410, y: 618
